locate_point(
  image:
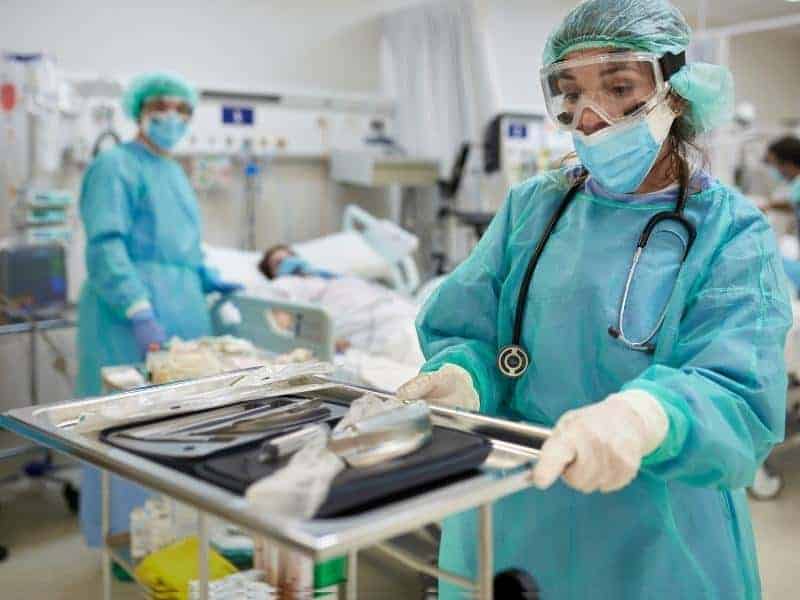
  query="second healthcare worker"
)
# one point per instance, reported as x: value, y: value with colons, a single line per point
x: 146, y: 278
x: 636, y: 305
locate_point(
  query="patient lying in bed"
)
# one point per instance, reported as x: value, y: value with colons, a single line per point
x: 366, y: 316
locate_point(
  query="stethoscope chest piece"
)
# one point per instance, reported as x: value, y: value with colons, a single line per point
x: 512, y: 361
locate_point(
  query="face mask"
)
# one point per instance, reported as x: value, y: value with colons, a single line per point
x: 323, y: 274
x: 621, y: 156
x: 775, y: 175
x: 293, y: 265
x: 165, y: 130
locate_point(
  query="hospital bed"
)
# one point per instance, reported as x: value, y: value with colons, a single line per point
x: 512, y: 450
x: 373, y: 249
x: 280, y: 327
x: 367, y: 247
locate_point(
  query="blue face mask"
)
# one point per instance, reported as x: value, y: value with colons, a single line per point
x: 294, y: 265
x: 323, y: 274
x: 619, y: 157
x: 775, y: 175
x: 165, y: 131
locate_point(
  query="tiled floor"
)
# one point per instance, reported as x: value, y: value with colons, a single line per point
x: 49, y: 561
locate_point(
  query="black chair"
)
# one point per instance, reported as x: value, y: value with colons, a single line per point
x: 448, y: 190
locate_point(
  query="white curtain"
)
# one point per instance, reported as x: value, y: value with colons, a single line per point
x: 436, y: 67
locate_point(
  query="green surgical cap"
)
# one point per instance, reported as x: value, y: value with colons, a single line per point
x: 150, y: 85
x: 655, y: 27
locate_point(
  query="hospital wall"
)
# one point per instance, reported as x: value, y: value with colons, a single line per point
x: 300, y: 45
x: 285, y: 46
x: 766, y: 69
x: 304, y: 43
x: 517, y: 32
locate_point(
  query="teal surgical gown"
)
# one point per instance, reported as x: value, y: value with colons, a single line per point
x: 143, y: 236
x: 682, y: 528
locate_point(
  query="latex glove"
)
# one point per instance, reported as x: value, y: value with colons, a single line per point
x: 449, y: 386
x: 213, y: 283
x: 224, y: 287
x: 148, y: 333
x: 600, y: 447
x: 229, y: 314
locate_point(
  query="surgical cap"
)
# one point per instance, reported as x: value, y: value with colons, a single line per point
x: 150, y: 85
x: 656, y: 27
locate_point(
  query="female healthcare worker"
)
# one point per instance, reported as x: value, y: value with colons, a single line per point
x: 783, y: 161
x: 666, y: 388
x: 146, y: 279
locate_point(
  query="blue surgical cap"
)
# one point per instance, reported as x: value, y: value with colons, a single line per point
x: 655, y: 27
x: 150, y: 85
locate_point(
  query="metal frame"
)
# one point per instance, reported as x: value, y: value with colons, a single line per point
x: 32, y: 328
x: 506, y: 471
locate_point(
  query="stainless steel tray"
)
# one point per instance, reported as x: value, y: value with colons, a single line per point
x: 60, y: 427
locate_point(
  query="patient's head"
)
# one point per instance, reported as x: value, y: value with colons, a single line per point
x: 280, y: 260
x: 271, y: 261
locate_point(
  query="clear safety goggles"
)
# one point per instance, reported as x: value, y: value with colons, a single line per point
x: 162, y: 106
x: 616, y: 87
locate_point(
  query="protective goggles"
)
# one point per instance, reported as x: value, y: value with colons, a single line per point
x: 617, y: 87
x: 162, y: 105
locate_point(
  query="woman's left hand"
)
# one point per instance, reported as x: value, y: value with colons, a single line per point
x: 601, y: 446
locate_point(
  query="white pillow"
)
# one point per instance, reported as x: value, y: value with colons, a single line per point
x: 236, y: 266
x: 345, y: 252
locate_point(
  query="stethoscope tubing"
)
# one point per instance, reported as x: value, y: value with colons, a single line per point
x: 515, y: 348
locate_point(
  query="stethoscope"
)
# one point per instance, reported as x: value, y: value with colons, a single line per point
x: 513, y: 360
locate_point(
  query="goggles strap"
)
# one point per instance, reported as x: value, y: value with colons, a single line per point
x: 671, y: 64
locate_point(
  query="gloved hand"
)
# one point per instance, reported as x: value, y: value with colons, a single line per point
x: 229, y: 315
x: 600, y: 447
x: 224, y: 287
x: 212, y: 282
x: 148, y: 333
x: 449, y: 386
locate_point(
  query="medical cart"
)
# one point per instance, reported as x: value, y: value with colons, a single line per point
x: 513, y: 451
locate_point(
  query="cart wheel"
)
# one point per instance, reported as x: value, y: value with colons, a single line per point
x: 767, y: 485
x: 3, y: 553
x: 515, y: 584
x: 72, y: 497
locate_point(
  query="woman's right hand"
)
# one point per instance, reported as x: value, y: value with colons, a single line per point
x: 450, y: 386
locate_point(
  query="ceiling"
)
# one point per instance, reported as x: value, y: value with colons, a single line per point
x: 719, y: 12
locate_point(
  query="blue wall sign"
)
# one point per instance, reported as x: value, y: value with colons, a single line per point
x: 237, y: 115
